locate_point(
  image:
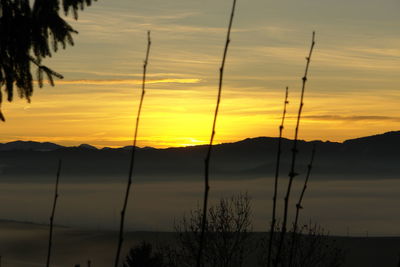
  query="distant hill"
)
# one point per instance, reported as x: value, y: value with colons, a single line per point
x: 29, y: 145
x: 372, y: 157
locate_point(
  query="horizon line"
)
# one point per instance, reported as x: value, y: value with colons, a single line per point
x: 194, y: 145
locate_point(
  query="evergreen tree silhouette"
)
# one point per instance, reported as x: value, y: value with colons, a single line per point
x: 29, y: 33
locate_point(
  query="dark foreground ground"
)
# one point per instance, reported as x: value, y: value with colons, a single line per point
x: 24, y: 244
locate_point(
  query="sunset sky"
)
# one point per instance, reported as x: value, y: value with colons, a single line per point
x: 353, y: 89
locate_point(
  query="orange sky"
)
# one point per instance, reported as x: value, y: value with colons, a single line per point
x: 353, y: 87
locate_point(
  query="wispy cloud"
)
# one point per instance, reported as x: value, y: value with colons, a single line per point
x: 356, y: 58
x: 128, y: 81
x: 351, y: 118
x: 126, y: 75
x: 390, y: 52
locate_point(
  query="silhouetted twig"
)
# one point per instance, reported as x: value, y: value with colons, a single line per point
x: 278, y: 163
x: 292, y: 254
x: 398, y: 264
x: 132, y: 162
x: 208, y: 156
x: 52, y: 214
x: 292, y: 172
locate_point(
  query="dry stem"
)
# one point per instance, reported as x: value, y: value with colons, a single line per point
x: 199, y: 261
x: 132, y: 162
x: 292, y: 172
x: 53, y: 211
x: 278, y: 162
x: 298, y: 207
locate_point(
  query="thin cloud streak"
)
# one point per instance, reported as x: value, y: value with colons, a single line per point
x: 128, y: 81
x: 120, y: 74
x: 351, y: 118
x: 348, y: 58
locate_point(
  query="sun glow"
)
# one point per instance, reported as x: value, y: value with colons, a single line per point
x: 192, y: 142
x: 352, y: 89
x: 104, y: 116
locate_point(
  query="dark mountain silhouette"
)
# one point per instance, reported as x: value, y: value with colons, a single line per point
x: 372, y: 157
x: 29, y: 145
x: 86, y: 146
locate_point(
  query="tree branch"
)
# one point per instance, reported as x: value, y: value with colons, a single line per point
x: 132, y: 162
x: 292, y: 172
x: 199, y: 261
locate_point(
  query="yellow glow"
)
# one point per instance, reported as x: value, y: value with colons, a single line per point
x: 105, y: 116
x: 352, y: 88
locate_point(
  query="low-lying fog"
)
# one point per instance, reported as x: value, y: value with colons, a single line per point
x: 343, y: 207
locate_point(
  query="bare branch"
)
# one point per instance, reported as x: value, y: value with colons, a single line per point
x: 132, y: 162
x: 292, y: 172
x: 298, y: 207
x: 52, y: 214
x: 277, y: 168
x: 208, y: 156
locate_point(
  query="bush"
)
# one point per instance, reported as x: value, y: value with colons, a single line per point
x: 143, y: 256
x: 311, y: 247
x: 227, y: 234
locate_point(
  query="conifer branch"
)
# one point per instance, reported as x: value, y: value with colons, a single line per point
x: 30, y: 31
x: 199, y: 262
x: 132, y: 161
x: 292, y: 173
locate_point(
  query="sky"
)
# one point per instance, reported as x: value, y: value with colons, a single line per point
x: 352, y: 91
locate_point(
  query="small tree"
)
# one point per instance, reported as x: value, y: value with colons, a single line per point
x: 227, y: 234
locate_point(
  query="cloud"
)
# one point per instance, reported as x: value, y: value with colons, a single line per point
x: 355, y: 58
x: 125, y: 75
x: 373, y: 51
x: 351, y: 118
x: 128, y: 81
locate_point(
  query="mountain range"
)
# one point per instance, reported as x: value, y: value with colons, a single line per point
x: 371, y: 157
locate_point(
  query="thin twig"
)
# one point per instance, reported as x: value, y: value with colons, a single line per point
x: 132, y: 162
x: 292, y: 254
x: 53, y: 211
x: 277, y: 168
x: 199, y: 261
x: 292, y: 172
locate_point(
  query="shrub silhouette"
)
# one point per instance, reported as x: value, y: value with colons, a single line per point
x: 314, y: 248
x: 227, y: 234
x: 143, y: 256
x: 230, y: 242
